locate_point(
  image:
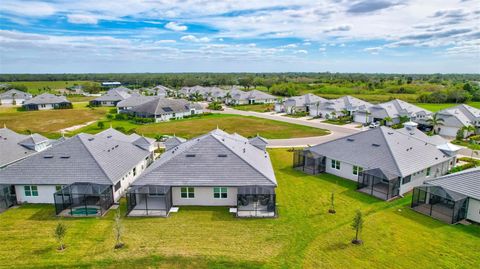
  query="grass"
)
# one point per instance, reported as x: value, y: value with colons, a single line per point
x: 49, y: 122
x: 36, y: 87
x: 304, y: 235
x: 438, y: 107
x: 336, y: 121
x: 255, y: 107
x: 192, y: 127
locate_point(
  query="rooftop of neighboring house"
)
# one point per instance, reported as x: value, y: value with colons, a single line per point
x: 395, y: 152
x: 135, y: 100
x: 160, y: 106
x: 249, y: 95
x: 304, y: 100
x: 18, y: 146
x: 116, y: 94
x: 464, y: 183
x: 46, y: 98
x: 158, y: 90
x: 345, y: 103
x: 82, y: 158
x: 14, y: 93
x: 214, y: 159
x: 466, y: 114
x: 397, y: 108
x: 113, y: 134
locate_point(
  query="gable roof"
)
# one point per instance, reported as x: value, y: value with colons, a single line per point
x: 46, y: 98
x: 396, y: 108
x: 135, y: 100
x: 304, y: 100
x: 113, y: 134
x: 345, y: 102
x: 17, y: 145
x: 392, y: 151
x: 18, y: 94
x: 82, y: 158
x: 466, y: 114
x: 116, y: 94
x: 466, y: 182
x: 213, y: 159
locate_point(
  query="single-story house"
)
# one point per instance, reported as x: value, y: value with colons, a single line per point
x: 78, y: 175
x: 14, y: 97
x: 47, y: 101
x: 239, y: 97
x: 113, y: 97
x: 215, y: 169
x: 455, y: 118
x: 145, y: 143
x: 164, y: 109
x: 133, y: 101
x: 207, y: 93
x: 15, y: 146
x: 394, y: 109
x: 159, y: 90
x: 450, y: 198
x: 385, y: 162
x: 296, y: 104
x: 343, y: 106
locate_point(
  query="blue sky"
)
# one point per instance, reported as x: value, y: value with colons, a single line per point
x: 398, y: 36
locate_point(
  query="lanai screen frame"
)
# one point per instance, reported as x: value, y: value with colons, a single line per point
x: 309, y: 162
x: 6, y: 198
x: 378, y: 176
x: 83, y: 194
x: 138, y: 192
x: 262, y: 200
x: 458, y: 203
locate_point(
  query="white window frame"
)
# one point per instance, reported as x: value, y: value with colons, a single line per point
x: 188, y: 192
x: 335, y: 164
x: 357, y: 170
x: 30, y: 189
x: 221, y: 190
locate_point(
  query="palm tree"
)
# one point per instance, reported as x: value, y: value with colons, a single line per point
x: 14, y: 102
x: 317, y: 105
x: 367, y: 114
x: 387, y: 120
x: 403, y: 119
x: 466, y: 130
x: 227, y: 97
x: 435, y: 121
x: 196, y: 96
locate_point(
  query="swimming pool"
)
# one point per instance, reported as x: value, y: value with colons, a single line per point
x: 84, y: 211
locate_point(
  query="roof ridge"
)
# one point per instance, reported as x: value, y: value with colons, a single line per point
x: 391, y: 152
x: 93, y: 156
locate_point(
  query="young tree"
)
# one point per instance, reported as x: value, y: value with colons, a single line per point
x: 118, y: 230
x: 59, y: 234
x: 357, y: 225
x: 100, y: 125
x: 332, y: 204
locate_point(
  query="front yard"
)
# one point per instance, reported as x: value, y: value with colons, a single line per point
x: 304, y: 235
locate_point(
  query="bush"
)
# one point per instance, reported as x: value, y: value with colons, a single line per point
x: 215, y: 106
x: 121, y: 116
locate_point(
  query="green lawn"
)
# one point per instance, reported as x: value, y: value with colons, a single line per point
x: 438, y: 107
x: 304, y: 235
x: 192, y: 127
x: 34, y: 87
x: 255, y: 107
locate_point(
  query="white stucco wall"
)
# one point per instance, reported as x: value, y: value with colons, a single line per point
x: 47, y: 107
x: 128, y: 178
x: 45, y: 194
x: 204, y: 197
x: 10, y: 101
x: 419, y: 177
x: 346, y: 170
x: 473, y: 212
x: 448, y: 131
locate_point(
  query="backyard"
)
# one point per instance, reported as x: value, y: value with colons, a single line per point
x: 304, y: 235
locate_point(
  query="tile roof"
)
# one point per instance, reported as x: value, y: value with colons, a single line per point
x: 15, y: 146
x: 46, y: 98
x: 466, y: 182
x: 304, y: 100
x: 160, y: 105
x: 466, y: 114
x: 396, y: 108
x: 18, y: 94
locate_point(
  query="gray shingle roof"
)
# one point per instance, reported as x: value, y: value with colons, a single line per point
x: 116, y: 94
x: 385, y: 148
x: 396, y: 108
x: 82, y: 158
x: 465, y: 182
x: 135, y: 100
x: 214, y: 159
x: 253, y: 94
x: 113, y: 134
x: 18, y: 94
x: 14, y: 146
x: 46, y: 98
x: 304, y: 100
x: 160, y: 105
x: 466, y: 114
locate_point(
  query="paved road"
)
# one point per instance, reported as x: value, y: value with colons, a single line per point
x: 336, y: 131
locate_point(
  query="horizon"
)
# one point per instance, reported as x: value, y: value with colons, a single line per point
x: 335, y: 36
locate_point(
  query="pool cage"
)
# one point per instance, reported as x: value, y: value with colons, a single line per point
x: 378, y: 183
x: 7, y: 199
x: 308, y: 162
x: 149, y: 200
x: 83, y: 199
x: 256, y: 201
x: 440, y: 203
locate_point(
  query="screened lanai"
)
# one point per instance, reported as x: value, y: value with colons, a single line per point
x: 440, y: 203
x: 6, y: 198
x: 256, y: 201
x: 149, y: 200
x: 83, y: 199
x: 378, y: 183
x: 308, y: 162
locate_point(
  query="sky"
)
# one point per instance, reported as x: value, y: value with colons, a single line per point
x: 366, y: 36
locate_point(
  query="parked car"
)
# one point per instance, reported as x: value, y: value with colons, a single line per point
x: 374, y: 124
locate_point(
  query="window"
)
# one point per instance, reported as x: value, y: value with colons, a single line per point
x: 428, y: 172
x: 31, y: 190
x: 58, y: 187
x: 118, y: 185
x: 336, y: 164
x: 220, y: 193
x: 357, y: 170
x: 405, y: 180
x: 187, y: 192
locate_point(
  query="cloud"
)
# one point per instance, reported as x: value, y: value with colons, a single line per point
x: 21, y: 36
x: 373, y: 50
x: 82, y: 19
x: 340, y: 28
x: 300, y: 52
x: 27, y: 8
x: 164, y: 41
x: 176, y: 27
x: 368, y: 6
x: 289, y: 46
x: 192, y: 38
x: 322, y: 49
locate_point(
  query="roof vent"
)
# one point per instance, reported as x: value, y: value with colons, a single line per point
x: 390, y: 133
x: 350, y: 139
x: 65, y: 157
x: 109, y: 136
x: 48, y: 156
x: 190, y: 155
x: 91, y: 139
x: 222, y: 155
x: 375, y: 145
x: 243, y: 150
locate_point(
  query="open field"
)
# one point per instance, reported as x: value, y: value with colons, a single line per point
x: 304, y: 235
x: 34, y: 86
x: 49, y: 122
x: 191, y: 127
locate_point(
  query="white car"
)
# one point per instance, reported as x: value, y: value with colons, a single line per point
x: 374, y: 124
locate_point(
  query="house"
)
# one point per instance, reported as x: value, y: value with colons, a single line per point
x: 139, y: 141
x: 47, y: 101
x: 82, y: 175
x: 14, y: 97
x: 15, y: 146
x: 343, y: 106
x: 133, y: 101
x: 207, y: 93
x: 385, y: 162
x: 113, y: 96
x: 450, y: 198
x: 159, y: 90
x: 394, y: 110
x: 164, y: 109
x: 215, y: 169
x: 296, y: 104
x: 239, y: 97
x: 455, y: 118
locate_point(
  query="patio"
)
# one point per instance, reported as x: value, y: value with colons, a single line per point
x: 378, y: 183
x: 83, y: 199
x: 149, y: 200
x: 256, y: 202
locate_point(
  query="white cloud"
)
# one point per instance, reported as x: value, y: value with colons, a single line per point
x: 164, y: 41
x: 373, y: 50
x: 192, y: 38
x: 176, y: 27
x: 82, y: 19
x: 300, y: 52
x: 290, y: 46
x: 322, y: 49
